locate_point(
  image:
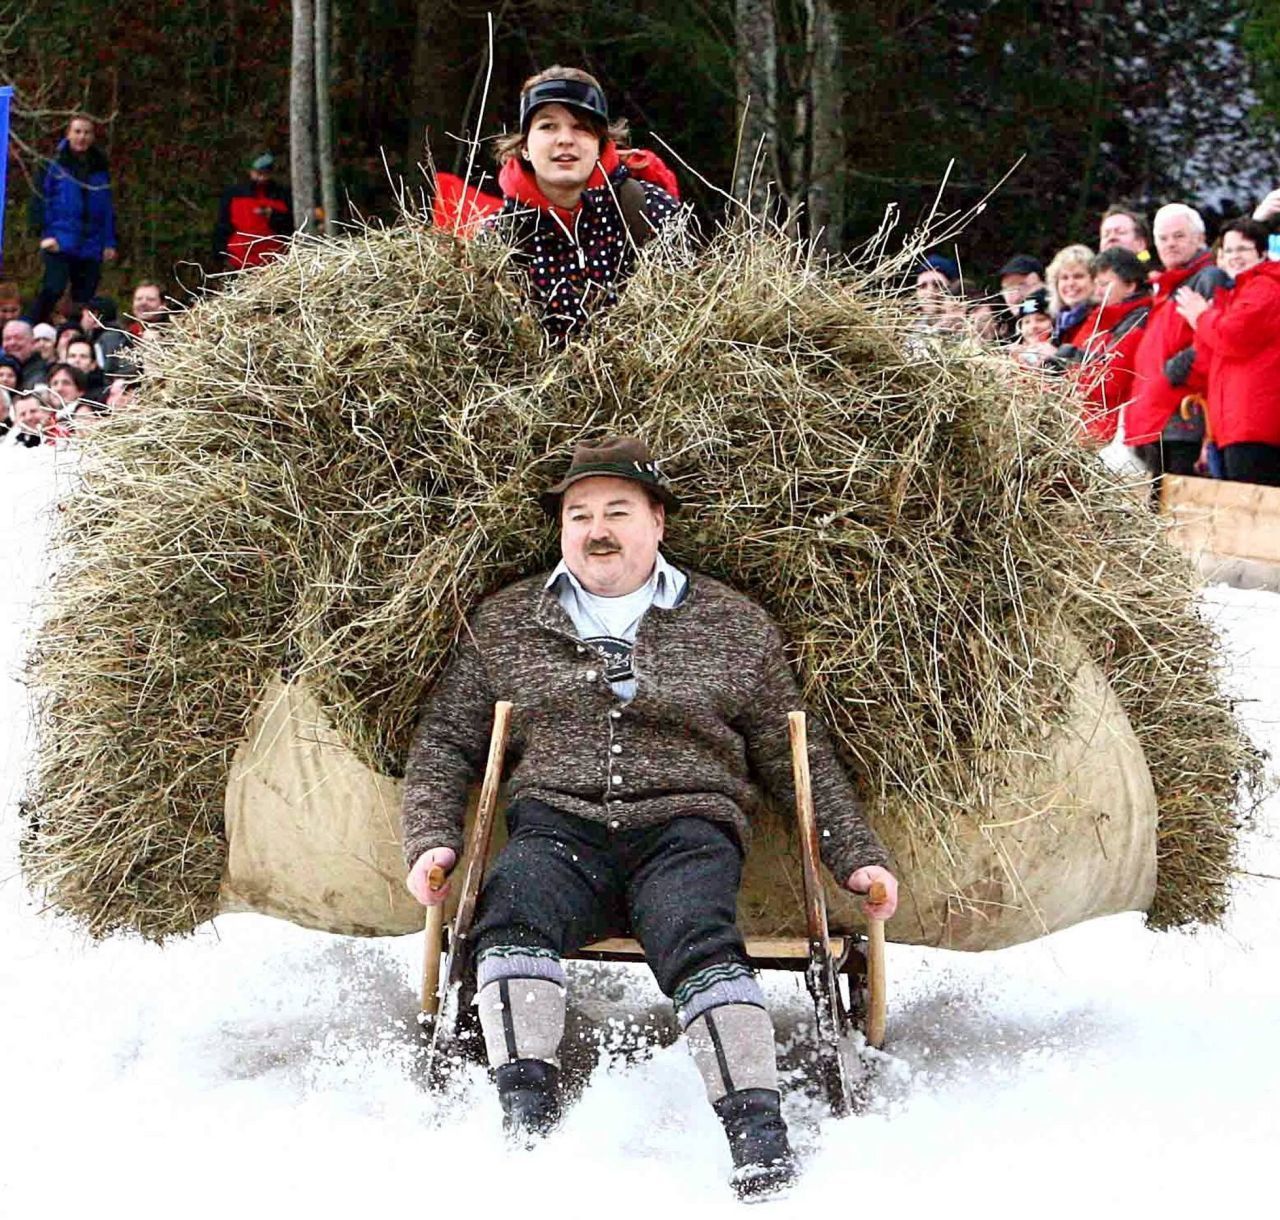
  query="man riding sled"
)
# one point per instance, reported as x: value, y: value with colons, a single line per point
x: 650, y: 718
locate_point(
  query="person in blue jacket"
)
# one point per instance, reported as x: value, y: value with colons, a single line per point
x: 78, y: 222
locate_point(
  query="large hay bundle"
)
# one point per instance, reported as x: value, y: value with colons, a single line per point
x: 338, y: 455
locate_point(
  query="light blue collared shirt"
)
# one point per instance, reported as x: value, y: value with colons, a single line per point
x: 610, y: 624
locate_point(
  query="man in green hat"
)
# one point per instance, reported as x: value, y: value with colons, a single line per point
x: 255, y: 218
x: 649, y: 718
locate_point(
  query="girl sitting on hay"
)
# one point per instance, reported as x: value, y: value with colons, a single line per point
x: 575, y: 207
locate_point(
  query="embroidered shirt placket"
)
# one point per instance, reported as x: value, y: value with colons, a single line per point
x: 547, y: 611
x: 615, y: 748
x: 611, y: 795
x: 614, y: 795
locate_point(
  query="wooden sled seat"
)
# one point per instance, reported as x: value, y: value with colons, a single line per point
x: 766, y: 953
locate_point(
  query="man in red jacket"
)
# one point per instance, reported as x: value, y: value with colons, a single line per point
x: 255, y: 218
x: 1238, y: 338
x: 1164, y: 430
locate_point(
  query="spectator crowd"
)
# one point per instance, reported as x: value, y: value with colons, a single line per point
x: 67, y: 357
x: 1165, y: 341
x: 59, y: 378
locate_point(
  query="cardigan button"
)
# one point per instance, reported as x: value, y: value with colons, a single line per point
x: 616, y: 713
x: 616, y: 780
x: 592, y: 675
x: 616, y: 748
x: 582, y: 648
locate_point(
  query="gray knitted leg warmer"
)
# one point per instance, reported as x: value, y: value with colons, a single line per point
x: 521, y: 999
x: 732, y: 1047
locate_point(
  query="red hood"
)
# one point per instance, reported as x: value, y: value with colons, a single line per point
x: 459, y: 208
x: 1104, y: 318
x: 518, y: 182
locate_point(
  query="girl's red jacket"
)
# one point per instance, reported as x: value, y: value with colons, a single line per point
x: 1109, y: 338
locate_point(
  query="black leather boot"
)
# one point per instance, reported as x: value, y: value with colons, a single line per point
x: 529, y: 1091
x: 762, y: 1158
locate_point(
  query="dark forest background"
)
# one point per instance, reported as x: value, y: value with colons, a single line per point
x: 867, y: 104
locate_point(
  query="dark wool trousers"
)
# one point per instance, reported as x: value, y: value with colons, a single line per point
x: 62, y: 271
x: 1169, y: 457
x: 1250, y: 462
x: 563, y: 882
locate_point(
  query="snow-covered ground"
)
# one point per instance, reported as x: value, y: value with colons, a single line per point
x: 261, y: 1070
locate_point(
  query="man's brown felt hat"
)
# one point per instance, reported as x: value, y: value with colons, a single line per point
x: 623, y: 457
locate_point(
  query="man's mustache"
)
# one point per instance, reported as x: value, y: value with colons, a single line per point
x: 603, y: 548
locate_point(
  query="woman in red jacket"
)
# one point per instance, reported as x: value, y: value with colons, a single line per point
x: 1106, y: 342
x: 1238, y: 335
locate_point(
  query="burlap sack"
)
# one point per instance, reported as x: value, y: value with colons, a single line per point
x: 313, y: 834
x: 1068, y: 834
x: 314, y: 838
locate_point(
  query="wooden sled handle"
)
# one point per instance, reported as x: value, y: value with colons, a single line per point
x: 474, y: 872
x: 815, y: 900
x: 483, y: 829
x: 877, y: 996
x: 432, y: 945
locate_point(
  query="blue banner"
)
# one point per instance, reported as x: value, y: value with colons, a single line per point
x: 6, y: 93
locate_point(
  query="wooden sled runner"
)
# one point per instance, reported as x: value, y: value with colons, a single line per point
x: 845, y: 975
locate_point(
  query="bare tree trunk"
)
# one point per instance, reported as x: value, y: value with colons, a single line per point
x: 421, y: 82
x: 757, y: 88
x: 302, y: 103
x: 827, y: 179
x: 446, y: 39
x: 324, y: 119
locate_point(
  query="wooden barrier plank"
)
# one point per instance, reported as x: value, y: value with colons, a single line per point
x: 1223, y: 519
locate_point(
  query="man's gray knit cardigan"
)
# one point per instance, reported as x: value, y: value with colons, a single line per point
x: 706, y: 730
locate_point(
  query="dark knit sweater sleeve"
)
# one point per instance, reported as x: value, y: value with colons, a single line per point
x: 847, y: 841
x: 447, y: 753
